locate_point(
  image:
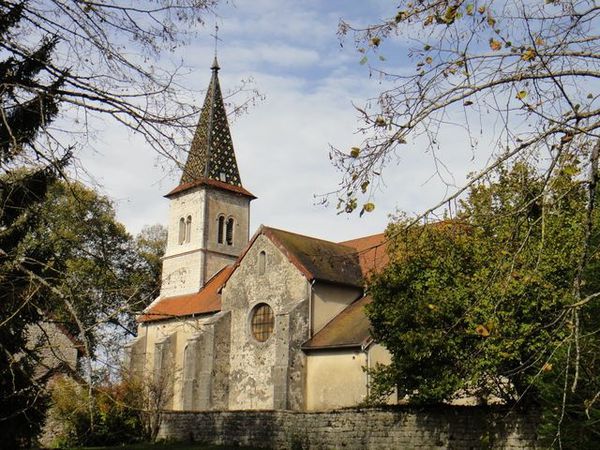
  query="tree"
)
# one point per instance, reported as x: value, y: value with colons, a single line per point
x: 482, y: 304
x: 526, y: 68
x: 106, y: 273
x: 28, y: 106
x: 529, y: 70
x: 93, y: 59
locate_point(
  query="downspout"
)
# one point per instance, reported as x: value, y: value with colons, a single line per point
x: 365, y: 349
x: 310, y: 307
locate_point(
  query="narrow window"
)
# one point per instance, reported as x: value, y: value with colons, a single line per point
x: 188, y: 229
x: 221, y: 229
x: 262, y: 263
x: 181, y: 231
x: 229, y: 235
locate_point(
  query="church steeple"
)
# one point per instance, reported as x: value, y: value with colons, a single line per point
x: 211, y: 155
x: 209, y: 211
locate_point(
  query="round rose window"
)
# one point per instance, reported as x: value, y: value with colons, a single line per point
x: 262, y: 322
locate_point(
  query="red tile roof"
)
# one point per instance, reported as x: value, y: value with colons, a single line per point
x: 212, y: 183
x: 350, y: 328
x: 207, y: 300
x: 372, y: 252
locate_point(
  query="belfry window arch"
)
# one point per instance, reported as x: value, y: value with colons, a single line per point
x: 188, y: 229
x: 181, y: 237
x: 220, y: 229
x: 229, y: 231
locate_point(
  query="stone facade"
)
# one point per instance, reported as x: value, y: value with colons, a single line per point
x: 262, y: 374
x: 189, y: 262
x: 54, y: 347
x: 443, y: 427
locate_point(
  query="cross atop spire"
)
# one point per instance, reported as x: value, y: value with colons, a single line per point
x: 211, y: 155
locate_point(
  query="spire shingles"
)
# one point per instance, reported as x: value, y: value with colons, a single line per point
x: 211, y: 154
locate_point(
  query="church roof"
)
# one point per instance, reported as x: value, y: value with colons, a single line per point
x: 372, y: 252
x: 318, y: 259
x: 211, y: 183
x: 211, y: 155
x: 207, y: 300
x: 350, y: 328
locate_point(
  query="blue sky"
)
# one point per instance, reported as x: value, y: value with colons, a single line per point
x: 310, y: 82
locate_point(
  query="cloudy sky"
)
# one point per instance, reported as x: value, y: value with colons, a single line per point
x: 310, y: 82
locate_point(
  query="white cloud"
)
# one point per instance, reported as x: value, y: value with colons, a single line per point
x: 282, y: 145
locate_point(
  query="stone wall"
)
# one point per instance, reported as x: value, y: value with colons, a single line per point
x: 449, y: 427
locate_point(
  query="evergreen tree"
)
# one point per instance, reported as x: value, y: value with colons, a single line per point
x: 27, y: 106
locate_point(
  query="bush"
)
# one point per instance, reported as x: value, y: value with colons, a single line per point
x: 104, y: 418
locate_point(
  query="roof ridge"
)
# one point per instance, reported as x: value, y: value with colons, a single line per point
x: 304, y: 236
x: 362, y: 237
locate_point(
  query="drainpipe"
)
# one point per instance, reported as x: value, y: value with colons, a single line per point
x: 309, y: 295
x: 365, y: 349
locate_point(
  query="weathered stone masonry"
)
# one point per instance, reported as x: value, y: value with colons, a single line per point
x: 450, y: 427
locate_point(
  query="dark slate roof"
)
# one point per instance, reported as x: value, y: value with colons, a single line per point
x: 350, y: 328
x: 318, y: 259
x: 211, y: 154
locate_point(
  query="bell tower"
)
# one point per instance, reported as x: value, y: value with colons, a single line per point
x: 209, y: 214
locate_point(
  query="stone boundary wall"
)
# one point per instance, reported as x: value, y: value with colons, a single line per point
x: 450, y: 427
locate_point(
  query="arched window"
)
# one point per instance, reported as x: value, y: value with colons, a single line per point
x: 229, y: 234
x: 181, y: 231
x: 262, y: 262
x: 221, y: 229
x: 262, y: 322
x: 188, y: 229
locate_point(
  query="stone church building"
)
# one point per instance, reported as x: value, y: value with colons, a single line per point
x: 270, y: 321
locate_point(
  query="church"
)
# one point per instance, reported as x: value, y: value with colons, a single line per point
x: 269, y: 321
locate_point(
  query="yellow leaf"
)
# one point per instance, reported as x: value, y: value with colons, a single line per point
x: 429, y: 60
x: 375, y: 41
x: 482, y: 331
x: 539, y: 41
x: 368, y: 207
x: 547, y: 367
x: 470, y: 9
x: 528, y: 54
x: 521, y: 95
x: 495, y: 45
x: 431, y: 306
x: 481, y: 9
x: 380, y: 121
x: 354, y: 152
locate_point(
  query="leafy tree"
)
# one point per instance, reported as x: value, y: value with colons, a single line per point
x: 94, y: 261
x: 519, y: 76
x: 482, y: 304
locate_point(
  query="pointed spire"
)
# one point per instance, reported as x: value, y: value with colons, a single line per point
x: 211, y: 154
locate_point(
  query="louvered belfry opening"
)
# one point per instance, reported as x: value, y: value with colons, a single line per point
x: 211, y: 154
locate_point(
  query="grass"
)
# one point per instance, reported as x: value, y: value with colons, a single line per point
x: 169, y: 446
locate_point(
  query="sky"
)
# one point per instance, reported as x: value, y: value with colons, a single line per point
x: 309, y: 82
